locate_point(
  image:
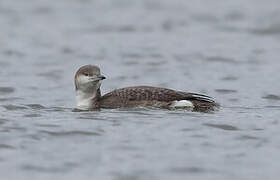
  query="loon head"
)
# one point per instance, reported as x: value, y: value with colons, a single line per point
x: 87, y: 82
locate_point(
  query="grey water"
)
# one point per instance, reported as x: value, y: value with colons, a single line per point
x: 226, y: 49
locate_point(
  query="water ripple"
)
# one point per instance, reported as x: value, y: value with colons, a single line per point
x: 6, y: 90
x: 3, y: 121
x: 41, y: 168
x: 226, y: 91
x: 188, y: 170
x: 10, y: 99
x: 11, y: 107
x: 273, y: 29
x: 70, y: 133
x: 222, y: 126
x: 36, y: 106
x: 271, y: 97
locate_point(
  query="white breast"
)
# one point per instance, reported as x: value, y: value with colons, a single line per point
x: 84, y: 100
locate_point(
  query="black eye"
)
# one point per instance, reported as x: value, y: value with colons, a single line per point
x: 86, y: 74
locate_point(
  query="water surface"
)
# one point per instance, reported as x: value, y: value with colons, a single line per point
x: 228, y: 50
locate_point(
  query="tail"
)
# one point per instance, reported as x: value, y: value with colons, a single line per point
x: 199, y: 97
x: 202, y: 102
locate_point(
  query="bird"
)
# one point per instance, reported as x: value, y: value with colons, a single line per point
x: 88, y: 95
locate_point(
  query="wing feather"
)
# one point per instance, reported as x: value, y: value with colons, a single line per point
x: 147, y: 93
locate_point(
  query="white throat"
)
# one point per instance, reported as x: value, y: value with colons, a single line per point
x: 85, y: 99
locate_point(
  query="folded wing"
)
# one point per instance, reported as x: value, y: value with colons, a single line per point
x: 146, y: 95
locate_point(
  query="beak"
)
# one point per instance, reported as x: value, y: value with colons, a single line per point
x: 98, y: 78
x: 101, y: 77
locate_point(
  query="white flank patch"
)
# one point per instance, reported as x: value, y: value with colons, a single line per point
x: 182, y: 104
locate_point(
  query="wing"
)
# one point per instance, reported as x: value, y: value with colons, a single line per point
x: 147, y: 93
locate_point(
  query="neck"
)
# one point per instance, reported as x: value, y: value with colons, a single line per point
x: 88, y: 99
